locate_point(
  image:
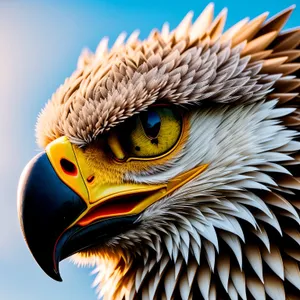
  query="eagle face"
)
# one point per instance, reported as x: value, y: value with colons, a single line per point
x: 171, y: 164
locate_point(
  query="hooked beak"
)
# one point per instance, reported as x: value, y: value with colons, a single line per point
x: 62, y: 211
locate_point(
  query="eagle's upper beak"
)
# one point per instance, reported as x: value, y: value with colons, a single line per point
x: 64, y: 209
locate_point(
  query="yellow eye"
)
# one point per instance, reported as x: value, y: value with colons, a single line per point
x: 153, y: 133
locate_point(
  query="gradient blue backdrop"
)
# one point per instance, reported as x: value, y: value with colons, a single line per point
x: 39, y: 45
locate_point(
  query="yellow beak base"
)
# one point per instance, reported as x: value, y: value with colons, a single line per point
x: 107, y: 200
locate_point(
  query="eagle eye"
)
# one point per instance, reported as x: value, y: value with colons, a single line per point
x: 152, y: 133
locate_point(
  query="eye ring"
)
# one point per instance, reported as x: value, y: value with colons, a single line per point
x: 133, y: 143
x: 184, y: 125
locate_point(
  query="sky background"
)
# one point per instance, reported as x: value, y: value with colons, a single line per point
x: 39, y: 45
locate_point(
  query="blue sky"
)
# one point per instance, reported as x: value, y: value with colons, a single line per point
x: 40, y: 43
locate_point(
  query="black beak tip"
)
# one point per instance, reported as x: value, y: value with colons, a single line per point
x: 46, y: 207
x: 56, y: 276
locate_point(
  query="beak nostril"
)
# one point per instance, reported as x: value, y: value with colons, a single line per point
x: 90, y: 179
x: 68, y: 167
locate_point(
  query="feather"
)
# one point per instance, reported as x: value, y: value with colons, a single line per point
x: 177, y: 268
x: 191, y: 272
x: 247, y: 32
x: 273, y: 221
x: 165, y: 31
x: 271, y: 65
x: 294, y: 234
x: 217, y: 26
x: 274, y: 287
x: 261, y: 55
x: 169, y: 243
x: 213, y: 292
x: 292, y: 55
x: 263, y: 236
x: 185, y: 252
x: 223, y: 267
x: 184, y: 26
x: 185, y: 237
x: 234, y: 30
x: 286, y: 84
x: 253, y: 255
x: 274, y: 260
x: 260, y: 43
x: 175, y: 253
x: 184, y: 288
x: 196, y: 251
x: 234, y: 244
x: 277, y: 22
x: 290, y: 182
x: 256, y: 288
x: 210, y: 234
x: 239, y: 282
x: 153, y: 284
x: 292, y: 272
x: 289, y: 43
x: 210, y: 254
x: 203, y: 279
x: 278, y: 201
x: 232, y: 292
x: 163, y: 265
x: 170, y: 283
x: 202, y: 23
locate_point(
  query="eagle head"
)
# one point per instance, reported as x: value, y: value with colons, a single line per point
x: 171, y: 164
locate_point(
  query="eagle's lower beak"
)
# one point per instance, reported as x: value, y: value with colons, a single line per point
x: 63, y: 209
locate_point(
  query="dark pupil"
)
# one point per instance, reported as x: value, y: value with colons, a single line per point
x: 151, y: 123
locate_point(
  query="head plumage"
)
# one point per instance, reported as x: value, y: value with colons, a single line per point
x: 193, y: 64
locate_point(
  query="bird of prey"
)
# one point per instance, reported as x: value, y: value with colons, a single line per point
x: 170, y: 164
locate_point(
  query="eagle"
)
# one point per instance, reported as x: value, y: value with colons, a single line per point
x: 170, y: 164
